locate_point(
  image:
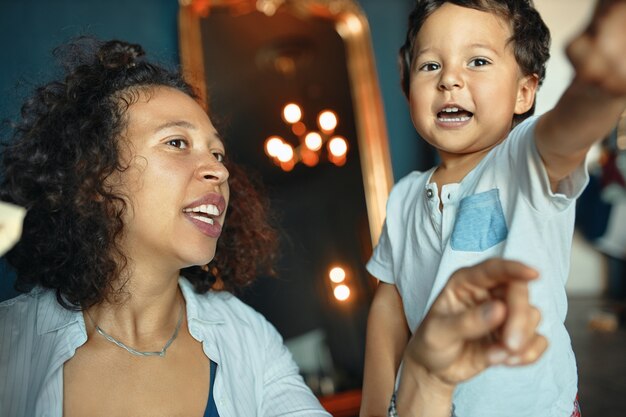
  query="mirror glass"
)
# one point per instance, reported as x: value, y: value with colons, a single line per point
x: 250, y: 59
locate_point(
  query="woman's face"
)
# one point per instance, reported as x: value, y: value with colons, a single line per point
x: 175, y: 186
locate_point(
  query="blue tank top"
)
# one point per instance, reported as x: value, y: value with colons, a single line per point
x: 211, y: 408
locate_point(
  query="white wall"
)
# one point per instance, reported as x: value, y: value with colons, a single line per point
x: 566, y: 18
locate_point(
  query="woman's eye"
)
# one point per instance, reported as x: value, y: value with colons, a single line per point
x: 219, y: 156
x: 178, y: 143
x: 479, y: 62
x: 429, y: 66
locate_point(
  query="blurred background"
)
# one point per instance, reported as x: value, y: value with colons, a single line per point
x: 320, y: 297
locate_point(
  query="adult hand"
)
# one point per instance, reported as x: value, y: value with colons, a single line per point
x: 599, y: 53
x: 482, y: 317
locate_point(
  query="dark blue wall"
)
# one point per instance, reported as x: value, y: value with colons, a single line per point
x: 388, y: 23
x: 30, y: 29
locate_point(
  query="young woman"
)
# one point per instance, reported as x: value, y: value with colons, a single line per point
x: 127, y: 186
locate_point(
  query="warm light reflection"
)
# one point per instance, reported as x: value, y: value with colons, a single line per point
x: 341, y: 292
x: 292, y: 113
x: 288, y: 166
x: 285, y: 153
x: 273, y: 145
x: 298, y: 128
x: 308, y: 157
x: 337, y: 274
x: 308, y: 146
x: 313, y: 141
x: 327, y: 121
x: 337, y: 160
x: 338, y: 146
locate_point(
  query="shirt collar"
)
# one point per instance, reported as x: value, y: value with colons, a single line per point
x: 51, y: 316
x: 200, y: 306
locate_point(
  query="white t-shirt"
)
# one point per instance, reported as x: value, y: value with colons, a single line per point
x: 503, y: 208
x: 256, y: 375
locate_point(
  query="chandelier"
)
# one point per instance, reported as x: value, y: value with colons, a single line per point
x: 312, y: 145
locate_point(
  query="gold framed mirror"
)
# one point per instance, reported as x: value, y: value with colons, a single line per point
x: 351, y: 25
x: 249, y: 58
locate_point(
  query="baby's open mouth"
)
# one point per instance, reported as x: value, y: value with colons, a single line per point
x: 454, y: 114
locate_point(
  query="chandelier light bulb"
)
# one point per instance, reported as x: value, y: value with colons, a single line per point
x: 342, y: 292
x: 327, y: 120
x: 287, y: 166
x: 298, y: 128
x: 337, y: 274
x: 313, y: 141
x: 273, y: 145
x: 292, y: 113
x: 308, y: 157
x: 338, y: 146
x: 285, y: 153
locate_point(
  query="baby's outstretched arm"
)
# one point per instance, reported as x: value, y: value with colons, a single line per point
x: 599, y: 53
x: 590, y: 107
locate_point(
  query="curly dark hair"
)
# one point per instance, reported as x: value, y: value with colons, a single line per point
x: 55, y: 164
x: 531, y: 36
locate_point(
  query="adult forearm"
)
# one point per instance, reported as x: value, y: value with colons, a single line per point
x: 421, y: 394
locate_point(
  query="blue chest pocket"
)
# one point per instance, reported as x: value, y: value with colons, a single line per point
x: 479, y: 223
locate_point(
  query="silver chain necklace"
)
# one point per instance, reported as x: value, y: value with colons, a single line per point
x: 136, y: 352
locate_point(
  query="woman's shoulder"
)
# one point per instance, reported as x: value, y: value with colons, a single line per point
x: 23, y: 304
x: 21, y: 319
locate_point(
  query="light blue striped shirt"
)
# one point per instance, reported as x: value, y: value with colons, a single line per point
x: 256, y: 374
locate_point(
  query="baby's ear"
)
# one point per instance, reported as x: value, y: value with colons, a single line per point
x: 526, y: 89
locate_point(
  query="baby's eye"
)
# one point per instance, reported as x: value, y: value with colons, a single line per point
x: 178, y: 143
x: 479, y: 62
x: 429, y: 66
x: 219, y: 156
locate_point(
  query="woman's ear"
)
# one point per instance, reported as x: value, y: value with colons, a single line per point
x: 526, y: 89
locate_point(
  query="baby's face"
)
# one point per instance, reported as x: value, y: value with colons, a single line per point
x: 465, y: 82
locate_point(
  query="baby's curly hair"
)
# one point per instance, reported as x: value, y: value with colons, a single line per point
x: 530, y: 36
x: 55, y: 164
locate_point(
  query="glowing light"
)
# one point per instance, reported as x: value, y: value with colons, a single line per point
x: 337, y: 274
x: 327, y: 121
x: 313, y: 141
x: 292, y: 113
x: 285, y: 153
x: 309, y: 158
x: 298, y: 128
x: 287, y: 166
x: 338, y: 146
x: 337, y: 160
x: 273, y: 145
x: 341, y: 292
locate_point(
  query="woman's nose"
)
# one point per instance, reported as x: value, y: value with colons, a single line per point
x: 210, y: 169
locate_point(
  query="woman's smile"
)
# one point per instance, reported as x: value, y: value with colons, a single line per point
x: 205, y: 212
